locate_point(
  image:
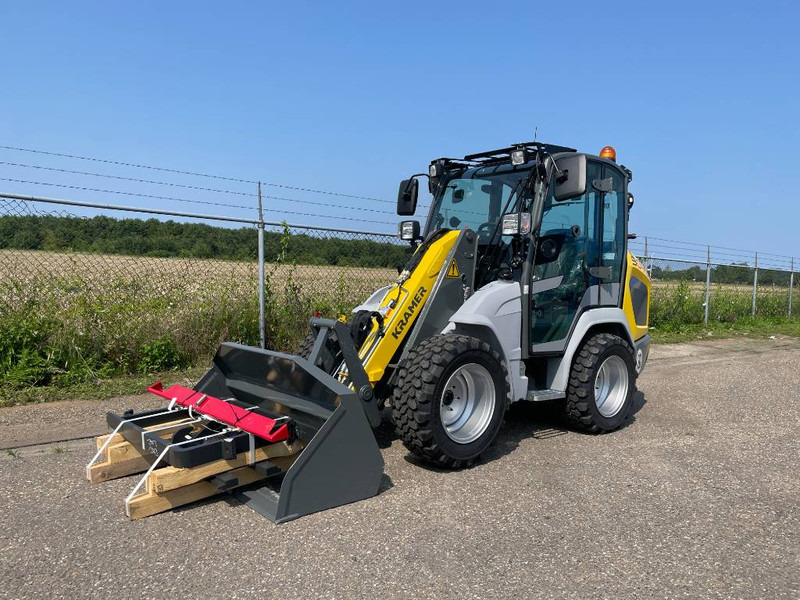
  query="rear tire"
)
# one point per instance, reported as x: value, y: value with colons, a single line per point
x: 602, y: 383
x: 448, y: 404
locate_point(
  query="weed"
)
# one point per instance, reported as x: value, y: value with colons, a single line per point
x: 14, y: 453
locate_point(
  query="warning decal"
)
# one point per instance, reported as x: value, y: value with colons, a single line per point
x: 452, y: 270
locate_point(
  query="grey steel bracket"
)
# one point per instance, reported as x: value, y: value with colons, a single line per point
x: 355, y: 368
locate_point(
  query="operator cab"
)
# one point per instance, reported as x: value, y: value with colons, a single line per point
x: 548, y: 217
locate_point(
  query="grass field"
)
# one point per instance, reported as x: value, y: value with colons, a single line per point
x: 70, y: 318
x: 67, y: 318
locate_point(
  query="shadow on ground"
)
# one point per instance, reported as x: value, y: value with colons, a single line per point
x: 525, y: 420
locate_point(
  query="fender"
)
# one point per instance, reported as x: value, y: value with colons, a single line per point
x: 593, y: 317
x: 494, y: 314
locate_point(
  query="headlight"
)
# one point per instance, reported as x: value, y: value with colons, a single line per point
x: 408, y: 230
x: 516, y: 224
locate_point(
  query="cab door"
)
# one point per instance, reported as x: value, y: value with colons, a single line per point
x: 613, y: 244
x: 579, y: 257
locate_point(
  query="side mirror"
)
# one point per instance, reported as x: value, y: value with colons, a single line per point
x: 408, y: 231
x: 516, y: 224
x: 570, y: 177
x: 407, y: 197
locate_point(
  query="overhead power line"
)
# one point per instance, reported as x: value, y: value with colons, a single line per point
x: 134, y: 179
x: 192, y: 187
x: 174, y: 199
x: 191, y: 173
x: 122, y: 193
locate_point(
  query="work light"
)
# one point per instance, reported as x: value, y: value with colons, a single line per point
x: 519, y: 157
x: 408, y: 231
x: 516, y: 224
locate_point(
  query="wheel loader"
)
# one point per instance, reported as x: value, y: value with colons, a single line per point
x: 520, y: 288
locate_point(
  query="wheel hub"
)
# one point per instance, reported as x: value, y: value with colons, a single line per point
x: 467, y: 403
x: 611, y: 386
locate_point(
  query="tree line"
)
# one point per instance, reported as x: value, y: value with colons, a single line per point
x: 739, y: 273
x: 151, y: 237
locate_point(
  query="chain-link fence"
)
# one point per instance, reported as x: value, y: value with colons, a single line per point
x: 86, y: 292
x: 93, y: 295
x: 695, y: 284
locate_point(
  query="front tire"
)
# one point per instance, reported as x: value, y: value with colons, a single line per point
x: 332, y: 344
x: 449, y: 400
x: 602, y: 383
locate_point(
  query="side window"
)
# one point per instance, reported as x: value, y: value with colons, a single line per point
x: 573, y: 226
x: 613, y: 244
x: 575, y: 221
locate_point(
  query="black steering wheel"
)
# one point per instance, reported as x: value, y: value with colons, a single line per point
x: 484, y: 229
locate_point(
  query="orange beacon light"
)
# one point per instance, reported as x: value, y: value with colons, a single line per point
x: 609, y: 153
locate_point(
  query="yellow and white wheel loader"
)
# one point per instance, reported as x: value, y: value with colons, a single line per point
x: 520, y: 287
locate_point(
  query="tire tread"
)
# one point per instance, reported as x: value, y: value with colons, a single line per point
x: 580, y: 389
x: 413, y: 401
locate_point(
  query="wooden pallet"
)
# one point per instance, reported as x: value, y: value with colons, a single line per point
x: 169, y: 487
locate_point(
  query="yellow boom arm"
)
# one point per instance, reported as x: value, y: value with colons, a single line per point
x: 401, y: 305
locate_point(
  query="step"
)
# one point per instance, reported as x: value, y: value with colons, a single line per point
x: 543, y: 395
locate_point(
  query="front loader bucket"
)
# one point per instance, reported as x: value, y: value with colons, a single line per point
x: 340, y: 462
x: 280, y: 433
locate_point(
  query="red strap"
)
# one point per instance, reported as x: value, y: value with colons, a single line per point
x: 226, y: 412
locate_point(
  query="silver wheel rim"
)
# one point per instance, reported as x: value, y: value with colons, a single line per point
x: 467, y: 403
x: 611, y: 386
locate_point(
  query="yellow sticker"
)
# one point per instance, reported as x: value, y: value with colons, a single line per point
x: 452, y: 271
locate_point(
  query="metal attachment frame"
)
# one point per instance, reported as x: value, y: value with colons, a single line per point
x: 355, y: 368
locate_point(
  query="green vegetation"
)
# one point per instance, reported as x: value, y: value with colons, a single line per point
x: 97, y: 389
x: 737, y: 273
x: 95, y: 325
x: 137, y: 237
x: 675, y: 308
x: 71, y: 326
x: 677, y: 311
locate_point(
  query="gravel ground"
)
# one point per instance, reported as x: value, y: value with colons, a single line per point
x: 697, y: 497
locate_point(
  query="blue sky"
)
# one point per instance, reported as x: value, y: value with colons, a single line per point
x: 699, y: 98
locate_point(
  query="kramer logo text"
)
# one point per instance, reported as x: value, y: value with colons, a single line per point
x: 411, y: 309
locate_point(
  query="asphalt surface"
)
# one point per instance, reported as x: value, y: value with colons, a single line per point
x: 697, y: 497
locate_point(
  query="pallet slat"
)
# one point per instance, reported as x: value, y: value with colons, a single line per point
x: 169, y: 487
x: 153, y: 503
x: 171, y: 478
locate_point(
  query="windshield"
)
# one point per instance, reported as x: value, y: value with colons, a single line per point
x: 476, y: 200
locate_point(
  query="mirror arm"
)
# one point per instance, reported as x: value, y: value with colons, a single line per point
x: 538, y: 206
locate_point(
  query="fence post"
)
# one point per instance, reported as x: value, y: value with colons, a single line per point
x: 647, y: 258
x: 755, y: 284
x: 791, y: 286
x: 708, y: 284
x: 262, y: 329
